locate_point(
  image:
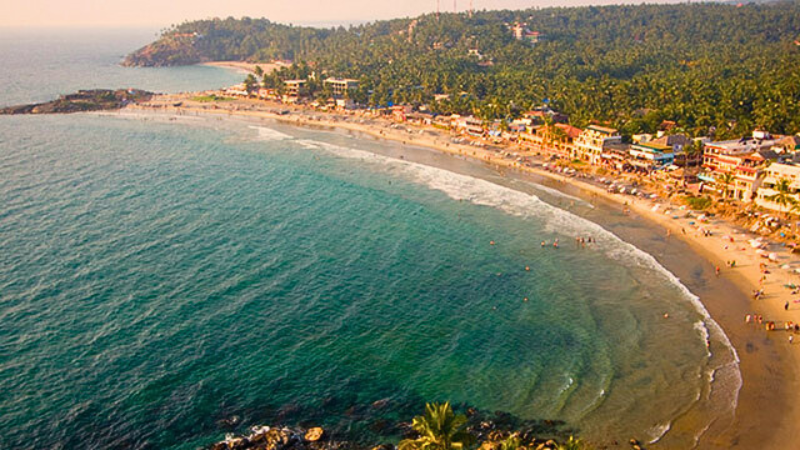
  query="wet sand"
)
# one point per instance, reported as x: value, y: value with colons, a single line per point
x: 766, y: 415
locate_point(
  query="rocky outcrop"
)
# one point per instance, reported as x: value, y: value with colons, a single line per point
x: 91, y: 100
x: 489, y: 429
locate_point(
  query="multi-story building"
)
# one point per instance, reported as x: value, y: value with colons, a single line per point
x: 341, y: 86
x: 590, y: 144
x: 294, y: 89
x: 772, y: 175
x: 651, y: 155
x: 743, y: 158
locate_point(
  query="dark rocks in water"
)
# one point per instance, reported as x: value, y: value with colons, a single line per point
x: 229, y: 423
x: 380, y: 404
x: 82, y: 101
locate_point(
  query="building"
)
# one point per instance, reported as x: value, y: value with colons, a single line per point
x: 743, y: 158
x: 591, y: 143
x: 541, y: 115
x: 772, y: 174
x: 470, y: 125
x: 237, y: 90
x: 341, y: 86
x: 294, y: 89
x: 651, y: 155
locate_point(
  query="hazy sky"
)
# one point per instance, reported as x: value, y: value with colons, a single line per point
x: 158, y: 13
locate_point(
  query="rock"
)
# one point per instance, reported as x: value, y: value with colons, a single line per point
x: 275, y: 439
x: 380, y: 404
x: 383, y: 447
x: 314, y: 434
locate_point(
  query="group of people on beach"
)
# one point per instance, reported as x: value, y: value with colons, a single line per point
x: 770, y: 325
x: 581, y: 241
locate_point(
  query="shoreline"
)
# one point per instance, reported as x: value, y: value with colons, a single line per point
x: 243, y: 67
x: 750, y: 427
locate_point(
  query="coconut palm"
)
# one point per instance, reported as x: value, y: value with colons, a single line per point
x: 726, y: 180
x: 439, y: 429
x: 783, y: 195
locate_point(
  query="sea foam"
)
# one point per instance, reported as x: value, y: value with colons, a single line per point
x: 268, y: 134
x: 562, y: 222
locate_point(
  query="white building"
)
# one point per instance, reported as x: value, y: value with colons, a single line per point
x: 590, y: 145
x: 772, y: 174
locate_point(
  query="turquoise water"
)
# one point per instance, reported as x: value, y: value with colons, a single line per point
x: 161, y: 276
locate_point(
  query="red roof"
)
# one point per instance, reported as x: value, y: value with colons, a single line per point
x: 569, y: 130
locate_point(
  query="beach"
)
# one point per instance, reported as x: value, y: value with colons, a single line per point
x: 766, y: 413
x: 245, y: 67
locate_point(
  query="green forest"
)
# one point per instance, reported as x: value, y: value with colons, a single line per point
x: 713, y: 68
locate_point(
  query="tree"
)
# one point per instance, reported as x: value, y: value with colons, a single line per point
x: 439, y: 429
x: 726, y: 180
x: 259, y: 72
x: 250, y: 84
x: 783, y: 195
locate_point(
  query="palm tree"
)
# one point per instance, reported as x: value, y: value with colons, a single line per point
x: 783, y: 195
x: 574, y: 444
x: 726, y: 180
x: 439, y: 429
x: 250, y: 84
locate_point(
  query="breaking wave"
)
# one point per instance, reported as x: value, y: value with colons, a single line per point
x: 558, y: 221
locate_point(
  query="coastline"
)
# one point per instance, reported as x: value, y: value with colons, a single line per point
x: 243, y: 67
x: 765, y: 411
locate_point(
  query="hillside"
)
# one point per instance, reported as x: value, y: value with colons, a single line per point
x: 702, y: 65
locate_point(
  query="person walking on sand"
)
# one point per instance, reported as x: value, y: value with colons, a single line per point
x: 717, y: 270
x: 786, y: 306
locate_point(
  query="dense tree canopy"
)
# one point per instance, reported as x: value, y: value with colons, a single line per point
x: 706, y: 65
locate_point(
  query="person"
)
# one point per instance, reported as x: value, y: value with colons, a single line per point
x: 544, y: 243
x: 786, y: 306
x: 717, y: 270
x: 791, y: 339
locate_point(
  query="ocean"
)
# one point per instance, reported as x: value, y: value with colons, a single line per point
x: 165, y: 281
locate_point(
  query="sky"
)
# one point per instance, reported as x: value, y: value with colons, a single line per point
x: 162, y: 13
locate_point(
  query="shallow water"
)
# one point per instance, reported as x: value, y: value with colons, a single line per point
x: 158, y: 277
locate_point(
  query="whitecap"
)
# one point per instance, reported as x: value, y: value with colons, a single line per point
x: 268, y: 134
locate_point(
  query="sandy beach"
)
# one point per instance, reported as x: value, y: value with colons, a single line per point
x: 244, y: 67
x: 767, y: 413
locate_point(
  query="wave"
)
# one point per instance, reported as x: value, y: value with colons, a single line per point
x: 557, y: 193
x: 268, y: 134
x: 557, y: 221
x: 659, y: 431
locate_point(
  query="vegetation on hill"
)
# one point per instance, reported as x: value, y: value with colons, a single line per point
x: 717, y: 67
